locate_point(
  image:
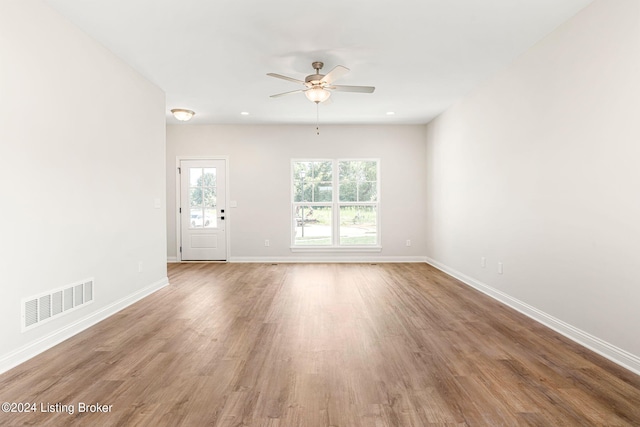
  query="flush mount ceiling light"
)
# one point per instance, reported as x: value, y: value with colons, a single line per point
x: 182, y: 114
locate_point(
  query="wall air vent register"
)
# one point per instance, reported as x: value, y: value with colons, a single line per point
x: 41, y: 308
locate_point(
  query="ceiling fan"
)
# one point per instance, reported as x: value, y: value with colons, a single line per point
x: 318, y: 87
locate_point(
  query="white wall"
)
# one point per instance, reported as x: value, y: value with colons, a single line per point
x: 260, y: 159
x: 82, y: 148
x: 538, y: 169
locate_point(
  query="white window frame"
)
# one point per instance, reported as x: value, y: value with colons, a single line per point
x: 335, y: 206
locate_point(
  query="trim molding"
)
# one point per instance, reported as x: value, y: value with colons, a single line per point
x: 603, y: 348
x: 329, y: 259
x: 335, y: 249
x: 172, y: 259
x: 44, y: 343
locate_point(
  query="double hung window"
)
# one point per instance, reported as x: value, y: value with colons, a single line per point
x: 335, y: 203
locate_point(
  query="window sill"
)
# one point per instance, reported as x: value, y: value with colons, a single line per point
x: 335, y: 249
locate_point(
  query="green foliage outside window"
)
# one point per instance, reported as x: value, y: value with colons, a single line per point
x: 355, y: 208
x: 204, y: 195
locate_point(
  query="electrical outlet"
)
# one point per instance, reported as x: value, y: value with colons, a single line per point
x: 266, y: 242
x: 483, y: 262
x: 408, y: 242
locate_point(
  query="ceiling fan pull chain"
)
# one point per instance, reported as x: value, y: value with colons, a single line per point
x: 318, y: 118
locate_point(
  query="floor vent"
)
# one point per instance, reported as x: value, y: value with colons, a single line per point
x: 41, y: 308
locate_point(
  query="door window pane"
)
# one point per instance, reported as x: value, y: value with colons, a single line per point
x: 210, y: 218
x: 209, y: 197
x: 203, y: 197
x: 196, y: 218
x: 194, y: 176
x: 358, y: 225
x: 195, y: 197
x: 312, y: 225
x: 209, y: 177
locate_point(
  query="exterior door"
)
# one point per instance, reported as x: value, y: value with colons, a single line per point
x: 202, y: 210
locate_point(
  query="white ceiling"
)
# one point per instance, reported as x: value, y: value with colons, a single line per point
x: 212, y: 56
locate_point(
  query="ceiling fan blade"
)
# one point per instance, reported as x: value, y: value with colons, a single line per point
x: 333, y: 75
x: 280, y: 76
x: 286, y: 93
x: 361, y: 89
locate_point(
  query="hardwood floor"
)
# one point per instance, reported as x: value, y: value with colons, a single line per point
x: 321, y: 345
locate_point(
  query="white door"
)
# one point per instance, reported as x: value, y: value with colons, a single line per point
x: 202, y: 210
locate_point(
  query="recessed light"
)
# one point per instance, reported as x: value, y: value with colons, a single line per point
x: 390, y: 113
x: 244, y: 113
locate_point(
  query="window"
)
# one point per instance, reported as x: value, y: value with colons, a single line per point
x: 358, y: 206
x: 335, y: 203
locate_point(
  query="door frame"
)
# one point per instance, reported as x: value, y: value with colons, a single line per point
x: 178, y: 201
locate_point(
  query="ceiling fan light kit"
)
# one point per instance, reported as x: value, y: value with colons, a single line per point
x: 317, y: 94
x: 182, y: 114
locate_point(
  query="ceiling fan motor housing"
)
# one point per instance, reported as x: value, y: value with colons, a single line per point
x: 314, y: 79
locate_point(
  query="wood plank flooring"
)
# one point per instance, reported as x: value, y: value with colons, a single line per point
x: 321, y: 345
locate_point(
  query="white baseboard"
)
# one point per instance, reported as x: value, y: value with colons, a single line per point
x: 42, y: 344
x: 329, y: 259
x: 611, y: 352
x: 172, y: 259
